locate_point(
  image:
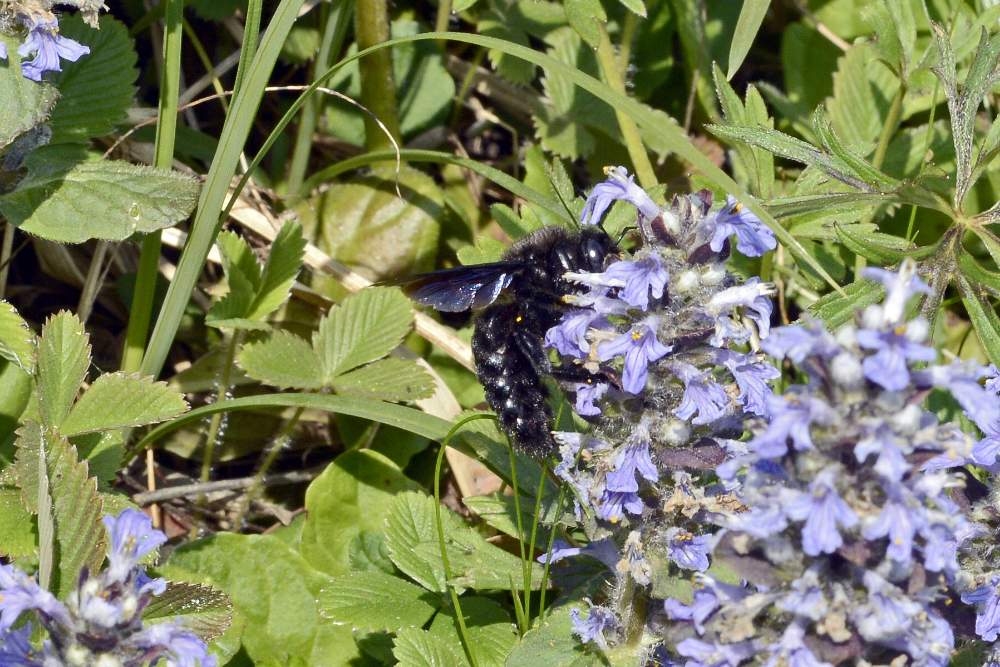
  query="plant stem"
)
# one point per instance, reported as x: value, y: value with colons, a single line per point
x: 92, y: 283
x: 225, y: 379
x: 443, y: 15
x: 378, y: 89
x: 629, y: 28
x: 141, y: 311
x: 5, y: 254
x: 272, y: 455
x: 251, y: 34
x: 334, y: 32
x: 608, y: 61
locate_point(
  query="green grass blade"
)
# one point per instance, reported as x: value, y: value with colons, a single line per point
x: 235, y: 131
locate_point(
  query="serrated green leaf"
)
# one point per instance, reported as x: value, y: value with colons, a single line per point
x: 16, y: 526
x: 70, y: 197
x: 552, y: 644
x: 282, y: 267
x: 282, y: 360
x: 17, y: 340
x: 758, y: 162
x: 46, y: 458
x: 414, y: 647
x: 751, y: 16
x: 351, y: 497
x: 488, y: 626
x: 205, y: 611
x: 585, y: 16
x: 24, y: 104
x: 857, y: 165
x: 243, y: 275
x: 374, y: 600
x: 862, y: 89
x: 976, y: 274
x: 412, y: 542
x: 883, y: 249
x: 63, y: 360
x: 367, y: 326
x: 498, y: 510
x: 120, y: 400
x: 387, y: 380
x: 275, y: 590
x: 96, y: 90
x: 836, y: 310
x: 982, y: 315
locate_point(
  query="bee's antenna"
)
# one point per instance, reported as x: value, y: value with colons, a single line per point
x: 625, y: 231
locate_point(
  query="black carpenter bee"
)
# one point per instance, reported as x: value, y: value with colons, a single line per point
x: 518, y: 298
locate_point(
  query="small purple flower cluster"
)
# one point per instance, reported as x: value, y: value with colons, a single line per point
x: 43, y: 48
x: 100, y: 623
x: 849, y: 536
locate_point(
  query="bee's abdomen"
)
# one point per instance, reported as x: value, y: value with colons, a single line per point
x: 512, y: 385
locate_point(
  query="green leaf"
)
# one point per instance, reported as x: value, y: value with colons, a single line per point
x: 275, y: 590
x: 63, y: 360
x: 17, y: 340
x: 24, y: 104
x: 758, y: 162
x: 205, y: 611
x: 412, y: 541
x: 387, y: 380
x: 857, y: 166
x: 414, y: 647
x: 243, y: 277
x: 499, y: 511
x: 552, y: 644
x: 282, y: 360
x: 751, y: 16
x: 69, y: 197
x: 637, y: 7
x: 982, y: 315
x: 883, y: 249
x: 283, y: 265
x: 488, y: 626
x: 836, y: 310
x: 46, y: 458
x: 120, y: 400
x: 367, y: 326
x: 584, y: 16
x: 895, y: 31
x: 374, y: 600
x: 350, y: 499
x: 16, y: 526
x: 978, y: 275
x: 96, y: 91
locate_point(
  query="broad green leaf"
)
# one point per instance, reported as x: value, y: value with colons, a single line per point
x: 489, y: 628
x: 637, y: 7
x: 883, y: 249
x: 16, y: 390
x: 807, y: 87
x: 978, y: 275
x: 483, y: 440
x: 856, y: 163
x: 17, y: 340
x: 982, y: 315
x: 352, y: 497
x: 895, y: 33
x: 862, y: 90
x: 836, y: 310
x: 374, y: 600
x: 46, y: 458
x: 119, y: 400
x: 70, y: 197
x: 275, y: 590
x: 367, y: 326
x: 205, y: 611
x: 282, y: 360
x: 412, y: 541
x: 498, y: 510
x: 96, y: 90
x: 63, y: 360
x: 584, y: 16
x: 758, y: 162
x: 16, y: 526
x: 24, y: 104
x: 552, y: 644
x: 387, y: 380
x: 414, y: 647
x: 283, y: 265
x: 243, y: 277
x: 485, y: 250
x: 751, y: 16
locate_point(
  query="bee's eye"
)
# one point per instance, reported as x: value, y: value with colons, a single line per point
x: 594, y: 253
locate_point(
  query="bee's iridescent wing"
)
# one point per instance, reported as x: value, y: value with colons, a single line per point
x: 461, y: 288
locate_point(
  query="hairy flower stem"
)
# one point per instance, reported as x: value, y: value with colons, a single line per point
x: 336, y: 23
x: 225, y: 379
x: 92, y: 283
x: 443, y: 15
x: 611, y: 71
x: 141, y: 312
x: 278, y: 444
x: 5, y: 253
x: 378, y: 89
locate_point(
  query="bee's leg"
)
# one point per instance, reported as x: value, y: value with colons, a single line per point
x: 532, y: 349
x: 580, y: 375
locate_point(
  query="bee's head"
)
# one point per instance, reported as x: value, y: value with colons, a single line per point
x: 595, y: 246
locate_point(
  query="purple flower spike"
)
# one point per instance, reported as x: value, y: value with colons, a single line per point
x: 987, y: 603
x: 891, y: 462
x: 619, y: 186
x: 704, y: 605
x: 791, y: 650
x: 631, y: 459
x: 3, y: 50
x: 824, y: 513
x: 688, y: 551
x: 993, y: 379
x: 899, y: 523
x: 48, y: 47
x: 792, y: 416
x: 806, y: 598
x: 614, y: 504
x: 181, y: 647
x: 899, y: 287
x: 754, y: 297
x: 752, y: 377
x: 592, y: 629
x: 702, y: 396
x: 15, y: 645
x: 800, y: 341
x: 569, y: 337
x: 888, y: 366
x: 132, y: 537
x: 586, y: 394
x: 20, y: 593
x: 753, y: 238
x: 640, y: 348
x: 705, y: 654
x: 637, y: 279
